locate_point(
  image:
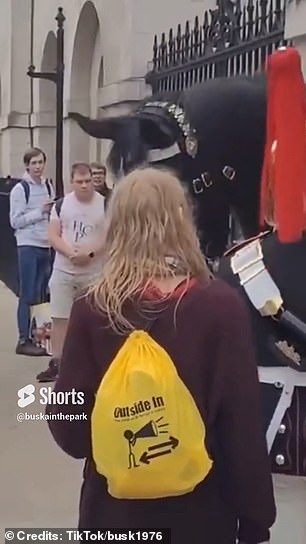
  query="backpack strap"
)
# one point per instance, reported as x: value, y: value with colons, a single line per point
x: 49, y: 185
x: 58, y: 206
x: 26, y: 189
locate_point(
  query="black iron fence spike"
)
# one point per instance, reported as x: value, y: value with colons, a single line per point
x: 232, y: 35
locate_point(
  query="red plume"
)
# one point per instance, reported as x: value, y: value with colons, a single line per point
x: 284, y: 172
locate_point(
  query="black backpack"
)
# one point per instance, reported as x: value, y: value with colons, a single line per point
x: 26, y: 188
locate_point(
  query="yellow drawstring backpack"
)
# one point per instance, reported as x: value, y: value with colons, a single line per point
x: 147, y: 433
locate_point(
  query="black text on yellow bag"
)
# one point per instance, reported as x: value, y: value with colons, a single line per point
x: 147, y: 433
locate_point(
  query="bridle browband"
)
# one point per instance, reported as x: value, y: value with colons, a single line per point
x: 178, y: 114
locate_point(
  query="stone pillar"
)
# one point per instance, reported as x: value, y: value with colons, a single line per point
x: 295, y: 28
x: 15, y: 84
x: 15, y: 139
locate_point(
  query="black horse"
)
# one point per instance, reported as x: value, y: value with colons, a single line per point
x: 212, y: 135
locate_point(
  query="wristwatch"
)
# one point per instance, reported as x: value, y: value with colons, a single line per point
x: 91, y: 254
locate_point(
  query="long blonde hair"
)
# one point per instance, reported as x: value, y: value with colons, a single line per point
x: 149, y: 218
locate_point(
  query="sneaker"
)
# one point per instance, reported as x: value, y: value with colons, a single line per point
x: 51, y: 373
x: 30, y: 349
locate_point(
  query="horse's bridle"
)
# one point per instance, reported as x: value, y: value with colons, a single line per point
x: 190, y: 144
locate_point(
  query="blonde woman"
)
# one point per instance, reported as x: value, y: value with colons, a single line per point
x: 153, y: 260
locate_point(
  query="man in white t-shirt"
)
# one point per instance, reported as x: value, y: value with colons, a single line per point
x: 76, y: 231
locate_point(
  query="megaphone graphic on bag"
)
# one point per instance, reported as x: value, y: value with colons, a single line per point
x: 149, y: 430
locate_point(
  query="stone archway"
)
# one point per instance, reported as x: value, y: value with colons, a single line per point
x: 47, y: 89
x: 47, y: 104
x: 82, y: 78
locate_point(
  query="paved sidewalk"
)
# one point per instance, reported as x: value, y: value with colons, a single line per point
x: 40, y: 484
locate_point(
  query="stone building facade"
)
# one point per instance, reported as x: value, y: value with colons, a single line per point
x: 108, y: 44
x: 295, y: 28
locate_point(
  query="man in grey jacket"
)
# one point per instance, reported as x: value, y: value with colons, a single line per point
x: 30, y: 204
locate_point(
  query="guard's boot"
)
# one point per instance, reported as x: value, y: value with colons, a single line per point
x: 51, y: 373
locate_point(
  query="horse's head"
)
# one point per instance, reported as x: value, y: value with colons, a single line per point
x: 138, y: 138
x: 153, y: 136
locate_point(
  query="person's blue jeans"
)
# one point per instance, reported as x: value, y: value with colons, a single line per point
x: 34, y: 268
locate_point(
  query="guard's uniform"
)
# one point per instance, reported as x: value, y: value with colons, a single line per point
x: 282, y: 369
x: 271, y: 276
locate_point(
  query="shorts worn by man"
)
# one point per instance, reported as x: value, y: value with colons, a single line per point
x: 76, y: 234
x: 30, y: 204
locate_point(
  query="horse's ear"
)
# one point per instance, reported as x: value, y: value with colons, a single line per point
x: 98, y: 128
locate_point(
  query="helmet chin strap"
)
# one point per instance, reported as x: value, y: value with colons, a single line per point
x: 121, y: 167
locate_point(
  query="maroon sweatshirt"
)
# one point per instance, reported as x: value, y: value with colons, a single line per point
x: 211, y: 347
